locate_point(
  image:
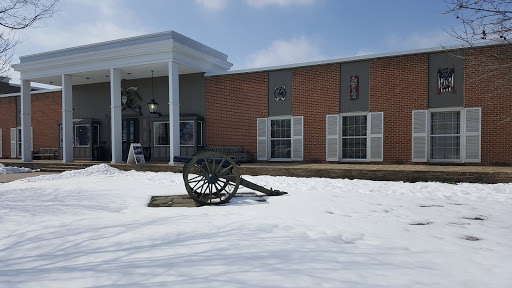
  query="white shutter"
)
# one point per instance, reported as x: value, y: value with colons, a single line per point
x: 332, y: 137
x: 298, y: 138
x: 262, y: 139
x: 419, y: 135
x: 473, y: 118
x: 13, y: 142
x: 376, y: 136
x: 0, y: 142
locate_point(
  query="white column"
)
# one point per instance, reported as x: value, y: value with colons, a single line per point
x: 115, y: 115
x: 174, y: 111
x: 26, y: 122
x: 67, y: 119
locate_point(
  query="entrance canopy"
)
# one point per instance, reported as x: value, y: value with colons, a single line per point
x: 135, y: 57
x: 161, y: 54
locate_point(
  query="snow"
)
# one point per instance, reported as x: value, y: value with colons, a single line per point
x: 91, y: 228
x: 9, y: 170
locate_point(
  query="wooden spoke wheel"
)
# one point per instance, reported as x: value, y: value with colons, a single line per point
x: 211, y: 178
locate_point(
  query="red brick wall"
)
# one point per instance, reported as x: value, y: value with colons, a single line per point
x: 46, y: 113
x: 398, y: 85
x: 233, y: 103
x: 316, y: 93
x: 488, y: 84
x: 7, y: 121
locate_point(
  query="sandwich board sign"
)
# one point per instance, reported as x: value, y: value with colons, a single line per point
x: 135, y: 156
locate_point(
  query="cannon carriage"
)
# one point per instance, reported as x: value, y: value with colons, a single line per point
x: 213, y: 178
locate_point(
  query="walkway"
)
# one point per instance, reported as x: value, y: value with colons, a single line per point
x: 409, y: 173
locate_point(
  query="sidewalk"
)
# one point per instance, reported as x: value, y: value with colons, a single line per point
x: 4, y: 178
x: 383, y: 172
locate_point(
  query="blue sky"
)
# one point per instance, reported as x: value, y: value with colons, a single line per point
x: 253, y: 33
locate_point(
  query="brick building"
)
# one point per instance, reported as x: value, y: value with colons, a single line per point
x: 423, y: 106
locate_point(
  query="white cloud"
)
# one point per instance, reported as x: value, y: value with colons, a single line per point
x: 81, y: 22
x: 281, y: 52
x: 282, y: 3
x: 219, y: 5
x: 212, y: 5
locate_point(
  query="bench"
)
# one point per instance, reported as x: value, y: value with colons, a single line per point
x: 43, y: 153
x: 236, y: 153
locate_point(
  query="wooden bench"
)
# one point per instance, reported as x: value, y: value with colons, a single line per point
x: 236, y: 153
x: 43, y: 153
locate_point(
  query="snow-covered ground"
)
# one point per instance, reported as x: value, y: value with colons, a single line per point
x: 91, y: 228
x: 10, y: 170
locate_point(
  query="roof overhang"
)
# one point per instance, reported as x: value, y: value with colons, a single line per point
x: 136, y: 57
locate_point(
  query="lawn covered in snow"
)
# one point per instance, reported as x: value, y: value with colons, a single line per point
x: 91, y: 228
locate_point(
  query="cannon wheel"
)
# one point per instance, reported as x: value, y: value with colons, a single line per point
x: 209, y: 180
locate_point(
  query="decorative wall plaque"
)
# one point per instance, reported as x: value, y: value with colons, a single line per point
x: 354, y: 87
x: 279, y: 93
x: 445, y: 80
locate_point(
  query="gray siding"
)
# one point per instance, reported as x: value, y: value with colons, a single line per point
x: 193, y: 94
x: 93, y: 101
x: 445, y: 99
x: 278, y: 79
x: 361, y: 69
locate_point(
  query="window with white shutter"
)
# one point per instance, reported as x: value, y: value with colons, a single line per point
x: 419, y: 136
x: 376, y: 136
x: 332, y: 137
x: 262, y: 139
x: 472, y: 137
x: 297, y: 138
x: 447, y: 135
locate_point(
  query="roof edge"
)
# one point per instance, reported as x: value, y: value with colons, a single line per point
x: 361, y: 58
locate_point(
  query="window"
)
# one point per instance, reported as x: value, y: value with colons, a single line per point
x: 280, y: 139
x: 445, y: 135
x: 82, y: 135
x: 187, y: 131
x: 96, y: 135
x: 353, y: 137
x: 161, y: 133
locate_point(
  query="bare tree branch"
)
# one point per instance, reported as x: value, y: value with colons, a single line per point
x: 16, y: 15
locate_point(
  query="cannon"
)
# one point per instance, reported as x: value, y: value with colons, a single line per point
x: 213, y: 178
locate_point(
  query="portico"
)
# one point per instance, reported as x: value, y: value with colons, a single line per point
x: 167, y: 54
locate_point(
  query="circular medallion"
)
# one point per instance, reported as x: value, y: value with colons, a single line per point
x: 279, y: 93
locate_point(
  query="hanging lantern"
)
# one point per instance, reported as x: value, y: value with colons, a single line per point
x: 153, y: 107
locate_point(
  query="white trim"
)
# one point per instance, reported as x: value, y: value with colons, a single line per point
x: 0, y: 142
x: 341, y: 137
x: 31, y: 92
x: 147, y: 49
x: 269, y: 141
x: 461, y: 134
